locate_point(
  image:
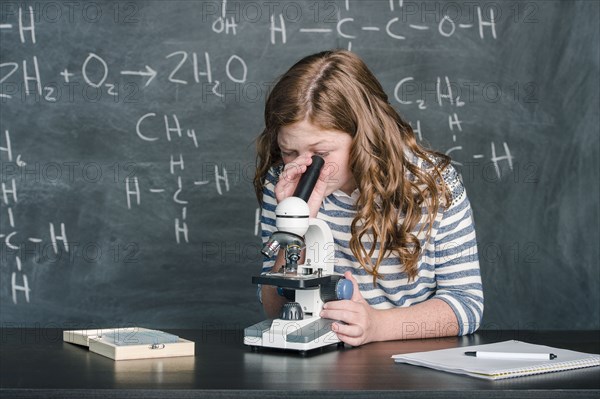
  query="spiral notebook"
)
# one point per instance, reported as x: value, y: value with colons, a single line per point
x: 455, y: 361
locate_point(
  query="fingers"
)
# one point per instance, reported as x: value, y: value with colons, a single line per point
x: 322, y: 183
x: 353, y: 320
x: 351, y: 340
x: 288, y: 180
x: 347, y: 311
x: 293, y: 170
x: 356, y: 295
x: 347, y: 330
x: 290, y: 177
x: 320, y: 191
x: 351, y: 334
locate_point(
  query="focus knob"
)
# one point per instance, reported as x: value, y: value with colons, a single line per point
x: 337, y: 288
x: 292, y: 311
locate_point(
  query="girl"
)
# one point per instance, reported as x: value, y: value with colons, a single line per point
x: 400, y: 217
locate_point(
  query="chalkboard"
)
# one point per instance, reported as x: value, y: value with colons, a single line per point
x: 127, y: 148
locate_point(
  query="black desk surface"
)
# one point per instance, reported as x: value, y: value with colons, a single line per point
x: 36, y: 363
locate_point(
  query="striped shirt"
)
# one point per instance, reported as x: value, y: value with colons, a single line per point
x: 448, y: 268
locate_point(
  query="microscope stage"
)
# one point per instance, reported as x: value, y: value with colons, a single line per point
x: 291, y: 280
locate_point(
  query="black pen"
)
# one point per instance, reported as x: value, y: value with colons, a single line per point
x: 512, y: 355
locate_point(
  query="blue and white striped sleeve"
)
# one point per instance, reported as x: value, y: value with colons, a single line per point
x: 267, y: 218
x: 267, y: 214
x: 456, y: 260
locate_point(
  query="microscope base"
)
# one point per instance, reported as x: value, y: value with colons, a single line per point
x: 300, y: 335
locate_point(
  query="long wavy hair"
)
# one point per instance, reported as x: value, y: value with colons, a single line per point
x: 336, y: 90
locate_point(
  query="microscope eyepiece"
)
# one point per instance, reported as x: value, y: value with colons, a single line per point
x: 309, y: 178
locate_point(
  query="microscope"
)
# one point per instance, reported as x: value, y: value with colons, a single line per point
x: 307, y: 286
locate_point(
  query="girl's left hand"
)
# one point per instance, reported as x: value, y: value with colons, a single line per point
x: 358, y: 315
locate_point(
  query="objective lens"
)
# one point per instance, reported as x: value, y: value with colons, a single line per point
x: 270, y: 248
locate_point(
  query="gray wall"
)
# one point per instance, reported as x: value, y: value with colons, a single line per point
x: 531, y: 92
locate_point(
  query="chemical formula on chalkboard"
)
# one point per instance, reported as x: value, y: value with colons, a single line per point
x: 12, y: 240
x: 93, y: 76
x: 173, y: 130
x: 236, y: 69
x: 128, y: 128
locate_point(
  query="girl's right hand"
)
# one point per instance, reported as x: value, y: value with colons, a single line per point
x: 289, y: 178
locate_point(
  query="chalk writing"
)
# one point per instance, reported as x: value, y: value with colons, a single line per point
x: 19, y: 281
x: 196, y: 92
x: 172, y: 129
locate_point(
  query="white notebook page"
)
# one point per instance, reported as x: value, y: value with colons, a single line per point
x: 454, y: 360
